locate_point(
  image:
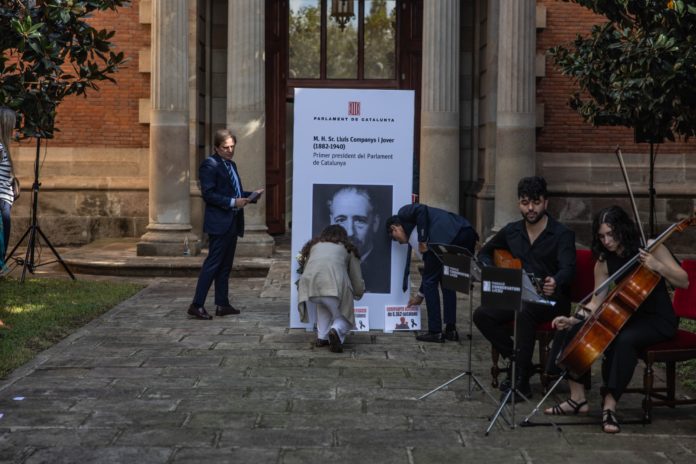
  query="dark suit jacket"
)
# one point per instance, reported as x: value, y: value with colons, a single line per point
x: 218, y: 192
x: 434, y: 225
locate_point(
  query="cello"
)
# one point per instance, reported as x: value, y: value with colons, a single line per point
x: 606, y: 321
x: 620, y: 304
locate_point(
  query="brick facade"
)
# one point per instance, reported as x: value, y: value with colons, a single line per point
x: 109, y: 117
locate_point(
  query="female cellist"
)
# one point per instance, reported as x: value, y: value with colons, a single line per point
x: 615, y: 240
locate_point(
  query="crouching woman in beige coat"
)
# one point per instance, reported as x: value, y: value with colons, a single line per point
x: 331, y: 279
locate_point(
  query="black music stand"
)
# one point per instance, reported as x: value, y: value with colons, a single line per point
x: 460, y: 271
x: 502, y: 288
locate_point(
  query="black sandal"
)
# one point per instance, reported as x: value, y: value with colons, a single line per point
x: 557, y: 410
x: 609, y: 419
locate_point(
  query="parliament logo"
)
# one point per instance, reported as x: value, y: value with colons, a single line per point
x: 354, y: 108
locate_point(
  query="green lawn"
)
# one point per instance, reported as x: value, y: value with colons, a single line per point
x: 41, y: 312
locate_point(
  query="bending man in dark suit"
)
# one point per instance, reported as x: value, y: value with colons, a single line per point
x: 418, y: 225
x: 225, y: 200
x: 547, y: 249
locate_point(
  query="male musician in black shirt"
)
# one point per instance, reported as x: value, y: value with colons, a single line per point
x: 546, y: 249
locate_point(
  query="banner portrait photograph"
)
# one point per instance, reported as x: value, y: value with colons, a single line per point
x: 362, y: 210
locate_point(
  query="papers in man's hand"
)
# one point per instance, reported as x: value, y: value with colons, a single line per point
x: 529, y: 292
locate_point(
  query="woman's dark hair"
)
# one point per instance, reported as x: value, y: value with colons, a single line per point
x: 624, y: 230
x: 334, y: 234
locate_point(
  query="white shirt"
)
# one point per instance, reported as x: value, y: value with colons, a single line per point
x: 413, y: 241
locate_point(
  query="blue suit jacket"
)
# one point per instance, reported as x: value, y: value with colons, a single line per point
x: 434, y: 225
x: 218, y: 192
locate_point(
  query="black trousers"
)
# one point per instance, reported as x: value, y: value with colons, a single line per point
x: 621, y: 357
x: 494, y: 325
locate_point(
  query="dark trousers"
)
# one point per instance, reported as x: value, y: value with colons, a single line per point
x: 217, y: 267
x: 432, y: 282
x: 5, y: 209
x: 621, y: 357
x: 493, y: 323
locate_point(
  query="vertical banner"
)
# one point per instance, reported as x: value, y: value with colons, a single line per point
x: 353, y: 166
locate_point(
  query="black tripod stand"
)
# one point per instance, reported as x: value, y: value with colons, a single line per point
x: 513, y: 392
x: 503, y: 288
x: 29, y: 262
x: 460, y: 272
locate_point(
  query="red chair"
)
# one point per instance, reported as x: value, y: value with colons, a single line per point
x: 583, y: 284
x: 680, y: 348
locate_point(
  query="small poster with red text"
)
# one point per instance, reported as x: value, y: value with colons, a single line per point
x: 399, y: 318
x: 362, y: 319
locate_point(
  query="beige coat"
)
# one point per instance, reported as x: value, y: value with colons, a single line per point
x: 331, y: 271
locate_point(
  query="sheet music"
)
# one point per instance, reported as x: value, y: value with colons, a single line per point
x: 530, y: 294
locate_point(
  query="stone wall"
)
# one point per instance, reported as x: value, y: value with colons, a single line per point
x: 85, y: 193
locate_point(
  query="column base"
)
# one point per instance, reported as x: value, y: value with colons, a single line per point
x: 255, y: 244
x: 168, y: 243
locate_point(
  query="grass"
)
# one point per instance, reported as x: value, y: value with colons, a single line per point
x: 686, y: 371
x: 42, y: 312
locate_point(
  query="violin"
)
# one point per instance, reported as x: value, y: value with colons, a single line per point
x: 621, y: 303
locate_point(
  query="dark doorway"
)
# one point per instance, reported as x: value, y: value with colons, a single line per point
x: 371, y: 44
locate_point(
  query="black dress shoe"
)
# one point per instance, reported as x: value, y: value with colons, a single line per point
x: 320, y: 343
x: 225, y: 310
x: 434, y: 337
x: 199, y: 312
x: 452, y: 335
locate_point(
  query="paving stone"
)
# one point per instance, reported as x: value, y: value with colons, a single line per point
x: 57, y: 436
x: 164, y: 436
x: 232, y: 405
x: 73, y: 454
x: 108, y: 404
x: 227, y: 455
x: 431, y: 454
x: 357, y: 421
x: 345, y: 455
x: 276, y: 438
x: 221, y: 420
x: 135, y: 418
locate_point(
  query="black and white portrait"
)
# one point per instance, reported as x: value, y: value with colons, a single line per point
x: 362, y: 210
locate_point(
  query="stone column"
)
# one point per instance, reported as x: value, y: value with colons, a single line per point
x: 439, y: 159
x: 246, y: 114
x: 516, y: 101
x: 170, y: 205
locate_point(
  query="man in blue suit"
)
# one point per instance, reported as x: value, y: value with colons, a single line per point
x: 419, y: 225
x: 223, y: 221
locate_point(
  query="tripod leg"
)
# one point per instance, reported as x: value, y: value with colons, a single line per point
x: 548, y: 393
x: 443, y: 385
x: 55, y: 253
x: 499, y: 411
x: 29, y: 256
x: 19, y: 242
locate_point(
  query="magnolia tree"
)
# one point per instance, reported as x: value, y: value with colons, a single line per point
x: 48, y: 51
x: 636, y: 69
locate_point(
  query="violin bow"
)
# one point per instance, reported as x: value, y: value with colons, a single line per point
x: 619, y: 156
x: 644, y: 242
